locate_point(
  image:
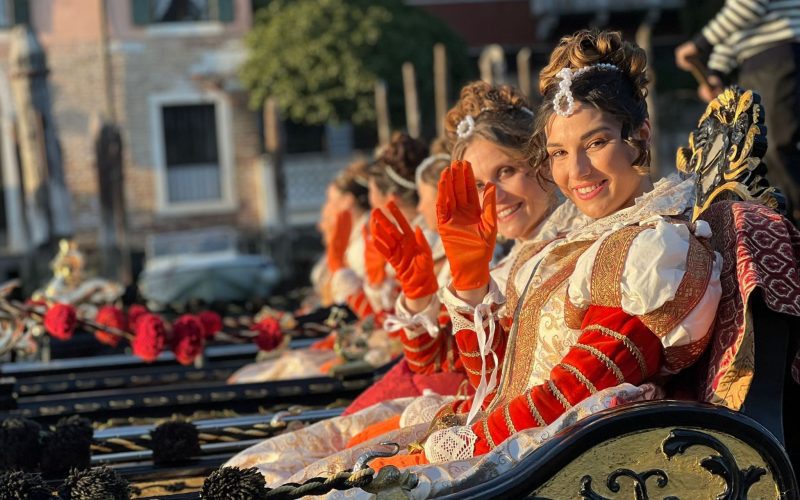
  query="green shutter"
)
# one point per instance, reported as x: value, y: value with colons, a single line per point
x: 225, y: 10
x: 141, y: 12
x: 21, y: 11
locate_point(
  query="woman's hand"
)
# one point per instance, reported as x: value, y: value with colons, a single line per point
x: 468, y: 231
x: 406, y: 250
x: 374, y: 261
x: 338, y: 240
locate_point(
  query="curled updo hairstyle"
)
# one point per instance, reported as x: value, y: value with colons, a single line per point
x: 620, y: 94
x: 399, y: 158
x: 502, y: 116
x: 354, y: 179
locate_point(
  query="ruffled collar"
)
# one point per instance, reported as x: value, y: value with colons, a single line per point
x: 670, y: 196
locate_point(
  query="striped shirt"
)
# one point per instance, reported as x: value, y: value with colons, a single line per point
x: 744, y: 28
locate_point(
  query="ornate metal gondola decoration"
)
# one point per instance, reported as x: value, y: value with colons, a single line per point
x: 737, y: 481
x: 639, y: 483
x: 725, y: 153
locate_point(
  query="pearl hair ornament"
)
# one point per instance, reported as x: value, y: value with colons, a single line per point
x: 563, y: 102
x: 466, y: 126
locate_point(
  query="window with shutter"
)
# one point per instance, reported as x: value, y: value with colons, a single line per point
x: 20, y: 13
x: 146, y: 12
x: 192, y: 159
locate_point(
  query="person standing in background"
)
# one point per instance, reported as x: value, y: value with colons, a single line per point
x: 756, y: 44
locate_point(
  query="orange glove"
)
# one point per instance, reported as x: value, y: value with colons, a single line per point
x: 399, y: 461
x: 375, y: 430
x: 406, y: 250
x: 327, y: 366
x: 468, y: 232
x: 374, y: 261
x: 338, y: 240
x: 325, y: 344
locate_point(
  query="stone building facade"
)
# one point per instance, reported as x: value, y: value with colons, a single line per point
x: 165, y: 72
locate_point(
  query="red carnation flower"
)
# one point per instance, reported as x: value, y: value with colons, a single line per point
x: 60, y: 321
x: 113, y: 317
x: 187, y: 338
x: 212, y: 323
x: 149, y: 338
x: 270, y: 335
x: 135, y: 312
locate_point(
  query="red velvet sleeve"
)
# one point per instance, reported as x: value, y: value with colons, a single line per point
x: 426, y: 354
x: 467, y: 341
x: 613, y: 348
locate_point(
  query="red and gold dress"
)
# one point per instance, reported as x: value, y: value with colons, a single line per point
x: 607, y: 313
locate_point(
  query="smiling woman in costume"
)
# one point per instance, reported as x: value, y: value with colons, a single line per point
x: 602, y: 314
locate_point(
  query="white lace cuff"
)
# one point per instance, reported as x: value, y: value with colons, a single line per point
x: 381, y: 297
x: 415, y: 324
x: 453, y: 443
x: 344, y: 283
x: 424, y: 408
x: 458, y: 309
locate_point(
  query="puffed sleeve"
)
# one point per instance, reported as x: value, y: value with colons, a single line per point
x: 661, y: 272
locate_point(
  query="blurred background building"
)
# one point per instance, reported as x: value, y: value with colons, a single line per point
x: 160, y: 130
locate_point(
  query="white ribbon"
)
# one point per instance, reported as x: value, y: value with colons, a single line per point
x: 394, y: 323
x: 485, y: 348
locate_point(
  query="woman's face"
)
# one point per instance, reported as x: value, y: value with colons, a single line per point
x: 522, y: 204
x: 590, y: 162
x: 427, y: 203
x: 339, y: 200
x: 377, y: 198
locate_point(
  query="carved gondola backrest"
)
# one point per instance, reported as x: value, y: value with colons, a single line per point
x: 726, y: 150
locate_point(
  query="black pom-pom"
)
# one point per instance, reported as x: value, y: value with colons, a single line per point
x: 20, y: 445
x: 67, y: 447
x: 174, y: 441
x: 91, y: 484
x: 18, y: 485
x: 232, y: 483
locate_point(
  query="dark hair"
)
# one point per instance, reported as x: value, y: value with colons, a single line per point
x: 402, y: 155
x: 620, y: 94
x: 354, y: 179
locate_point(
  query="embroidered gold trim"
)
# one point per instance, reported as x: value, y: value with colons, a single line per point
x: 628, y: 345
x: 423, y: 362
x: 603, y: 359
x: 580, y: 376
x: 573, y: 315
x: 474, y: 372
x: 534, y: 411
x: 485, y: 422
x: 524, y: 255
x: 679, y: 357
x: 521, y: 347
x: 421, y: 348
x: 699, y: 263
x: 509, y: 422
x: 559, y: 395
x: 609, y: 265
x: 471, y: 354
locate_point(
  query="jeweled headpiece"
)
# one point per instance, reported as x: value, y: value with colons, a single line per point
x: 467, y: 124
x: 426, y: 164
x: 563, y: 102
x: 399, y: 179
